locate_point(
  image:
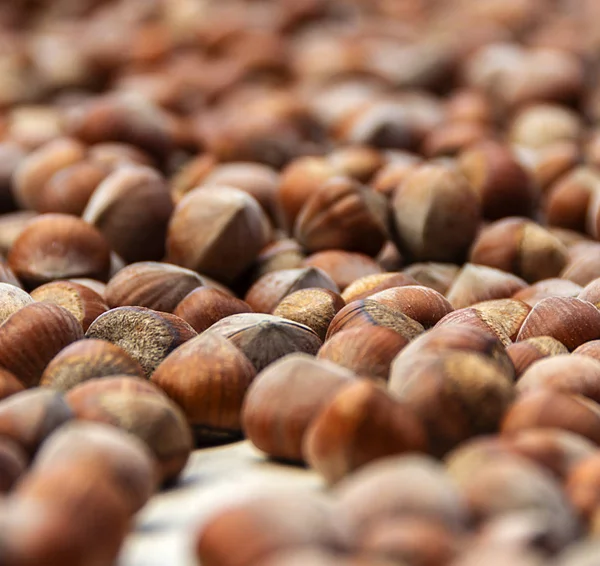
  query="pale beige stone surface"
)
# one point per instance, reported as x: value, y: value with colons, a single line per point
x: 213, y: 479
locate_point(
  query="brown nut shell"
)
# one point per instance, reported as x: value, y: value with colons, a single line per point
x: 523, y: 354
x: 208, y: 378
x: 371, y: 284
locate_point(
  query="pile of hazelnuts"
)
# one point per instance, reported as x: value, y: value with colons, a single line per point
x: 363, y: 235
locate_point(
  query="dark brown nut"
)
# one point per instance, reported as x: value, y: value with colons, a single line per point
x: 11, y: 226
x: 208, y: 378
x: 314, y: 308
x: 523, y: 354
x: 273, y: 287
x: 459, y: 338
x: 121, y: 118
x: 511, y: 483
x: 88, y: 359
x: 113, y: 155
x: 162, y: 333
x: 204, y: 306
x: 83, y: 303
x: 436, y: 214
x: 265, y: 338
x: 12, y: 299
x: 476, y: 283
x: 13, y: 463
x: 29, y: 417
x: 210, y: 224
x: 552, y: 287
x: 122, y: 457
x: 591, y: 348
x: 274, y: 524
x: 570, y: 321
x: 389, y: 258
x: 284, y: 399
x: 566, y: 373
x: 371, y: 284
x: 569, y: 198
x: 149, y: 415
x: 359, y: 162
x: 437, y: 276
x: 59, y: 246
x: 299, y: 181
x: 545, y: 124
x: 453, y: 137
x: 474, y: 318
x: 456, y: 394
x: 506, y: 314
x: 190, y: 175
x: 258, y: 180
x: 557, y: 450
x: 420, y: 303
x: 281, y: 254
x: 38, y: 167
x: 66, y: 500
x: 69, y: 190
x: 393, y: 173
x: 583, y: 486
x: 360, y: 424
x: 157, y: 286
x: 343, y: 214
x: 400, y: 487
x: 342, y: 266
x: 547, y: 164
x: 552, y: 409
x: 32, y: 336
x: 368, y: 313
x: 131, y: 208
x: 368, y: 352
x: 520, y: 246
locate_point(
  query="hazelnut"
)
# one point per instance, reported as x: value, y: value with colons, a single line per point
x: 552, y: 409
x: 437, y: 276
x: 208, y: 378
x: 519, y: 246
x: 265, y: 338
x: 453, y: 137
x: 274, y: 524
x: 146, y: 414
x: 552, y: 287
x: 154, y: 285
x: 341, y: 438
x: 342, y: 214
x: 393, y: 173
x: 343, y: 267
x: 420, y: 303
x: 583, y: 265
x: 570, y: 321
x: 163, y: 333
x: 87, y: 359
x: 400, y: 487
x: 506, y: 314
x: 122, y: 457
x: 389, y: 258
x: 591, y: 349
x: 523, y: 354
x: 11, y: 226
x: 113, y: 155
x: 279, y: 255
x: 271, y: 288
x: 436, y: 214
x: 131, y: 208
x: 204, y: 306
x: 567, y: 373
x: 33, y: 172
x: 211, y: 224
x: 58, y: 246
x: 544, y: 124
x: 456, y: 394
x: 83, y: 303
x: 12, y: 299
x: 359, y: 162
x: 476, y: 319
x: 29, y: 417
x: 284, y: 399
x: 314, y: 308
x: 369, y: 312
x: 32, y: 336
x: 371, y: 284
